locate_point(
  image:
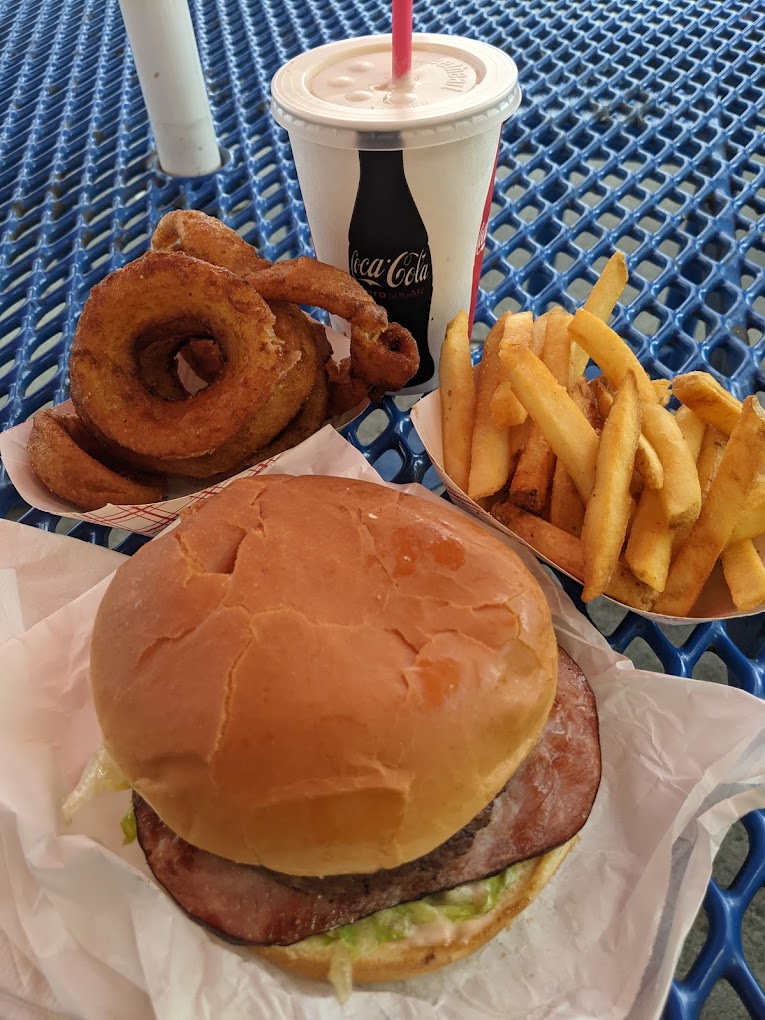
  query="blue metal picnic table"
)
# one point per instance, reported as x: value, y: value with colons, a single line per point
x: 642, y: 127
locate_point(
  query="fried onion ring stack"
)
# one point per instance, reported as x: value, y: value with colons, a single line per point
x: 384, y: 356
x: 67, y: 459
x: 195, y: 360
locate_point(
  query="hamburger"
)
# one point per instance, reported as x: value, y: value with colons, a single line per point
x: 353, y: 742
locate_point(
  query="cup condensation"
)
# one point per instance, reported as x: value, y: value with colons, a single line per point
x: 355, y: 139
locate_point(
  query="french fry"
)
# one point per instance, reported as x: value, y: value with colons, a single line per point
x: 506, y: 409
x: 647, y: 461
x: 584, y: 399
x: 751, y: 523
x: 681, y: 492
x: 610, y: 353
x: 603, y: 395
x: 566, y: 505
x: 567, y: 552
x: 538, y: 334
x: 744, y: 574
x: 608, y: 287
x: 692, y: 428
x: 663, y: 390
x: 579, y: 361
x: 530, y: 487
x: 556, y: 351
x: 457, y: 388
x: 649, y: 548
x: 491, y: 452
x: 703, y: 394
x: 559, y: 459
x: 740, y: 465
x: 601, y: 302
x: 532, y: 481
x: 648, y: 464
x: 707, y: 461
x: 519, y: 435
x: 712, y: 448
x: 504, y: 406
x: 565, y: 428
x: 608, y: 510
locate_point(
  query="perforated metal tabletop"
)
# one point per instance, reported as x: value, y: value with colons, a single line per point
x: 642, y: 128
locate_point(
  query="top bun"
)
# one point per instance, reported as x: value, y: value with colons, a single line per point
x: 320, y: 675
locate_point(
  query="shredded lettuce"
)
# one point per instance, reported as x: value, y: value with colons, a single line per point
x: 129, y: 827
x: 465, y: 903
x: 101, y: 775
x: 340, y: 973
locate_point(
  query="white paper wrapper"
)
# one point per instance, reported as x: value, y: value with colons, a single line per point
x: 714, y: 603
x: 143, y: 519
x: 85, y: 927
x: 45, y: 571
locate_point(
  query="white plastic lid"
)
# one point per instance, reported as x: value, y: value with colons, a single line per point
x: 339, y: 94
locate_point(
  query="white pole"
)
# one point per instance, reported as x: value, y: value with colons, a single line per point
x: 170, y: 73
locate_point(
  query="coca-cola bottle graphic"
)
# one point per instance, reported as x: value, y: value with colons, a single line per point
x: 388, y: 250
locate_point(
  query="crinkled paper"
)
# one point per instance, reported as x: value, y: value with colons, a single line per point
x: 85, y: 932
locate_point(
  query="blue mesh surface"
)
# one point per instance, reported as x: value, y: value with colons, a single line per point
x: 642, y: 128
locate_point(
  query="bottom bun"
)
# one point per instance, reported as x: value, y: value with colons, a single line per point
x: 425, y: 949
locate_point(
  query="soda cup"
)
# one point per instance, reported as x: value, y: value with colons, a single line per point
x: 397, y: 179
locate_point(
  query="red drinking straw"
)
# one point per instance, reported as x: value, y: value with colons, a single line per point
x: 402, y: 39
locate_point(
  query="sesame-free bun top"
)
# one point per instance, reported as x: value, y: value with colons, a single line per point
x: 320, y: 675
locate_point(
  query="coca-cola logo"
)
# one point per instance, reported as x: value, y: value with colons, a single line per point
x: 408, y: 269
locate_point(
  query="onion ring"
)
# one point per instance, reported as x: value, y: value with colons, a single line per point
x: 156, y: 295
x: 385, y: 357
x: 387, y: 361
x: 204, y: 358
x: 158, y: 368
x: 67, y: 460
x: 202, y: 236
x: 285, y: 402
x: 310, y: 282
x: 303, y: 280
x: 345, y: 390
x: 309, y: 420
